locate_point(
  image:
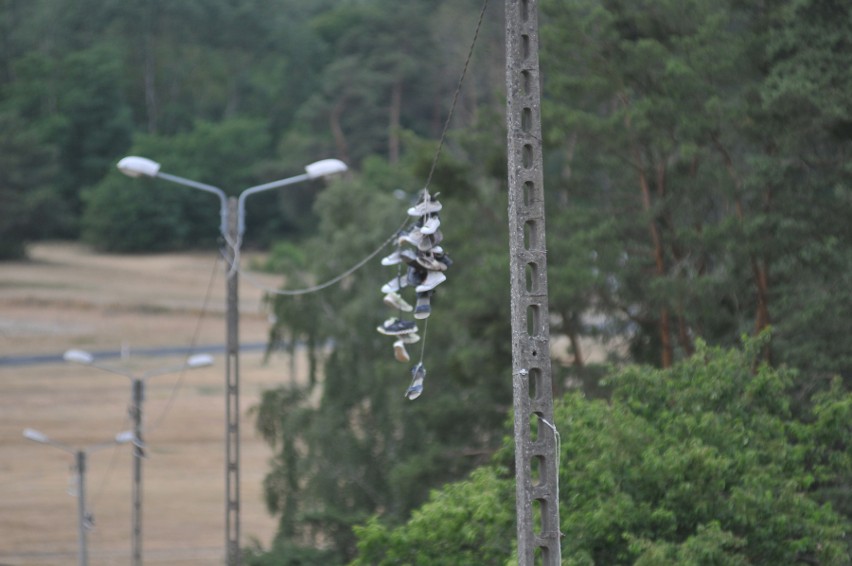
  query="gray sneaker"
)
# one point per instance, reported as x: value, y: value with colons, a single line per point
x: 430, y: 262
x: 429, y: 242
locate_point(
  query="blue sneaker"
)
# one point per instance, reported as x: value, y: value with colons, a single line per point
x: 424, y: 305
x: 414, y: 390
x: 395, y: 327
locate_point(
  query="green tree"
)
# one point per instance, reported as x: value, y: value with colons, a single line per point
x: 123, y: 214
x: 703, y: 463
x: 349, y: 444
x: 700, y: 183
x: 96, y: 128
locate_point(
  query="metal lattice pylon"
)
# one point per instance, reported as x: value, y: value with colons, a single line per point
x: 536, y: 454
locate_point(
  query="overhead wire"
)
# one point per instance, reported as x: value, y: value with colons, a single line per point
x: 192, y: 345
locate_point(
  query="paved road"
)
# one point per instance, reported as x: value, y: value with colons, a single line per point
x: 9, y: 361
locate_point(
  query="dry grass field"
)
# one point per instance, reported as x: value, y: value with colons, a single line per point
x: 66, y: 297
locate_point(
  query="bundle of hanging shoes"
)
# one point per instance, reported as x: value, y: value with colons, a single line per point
x: 418, y: 249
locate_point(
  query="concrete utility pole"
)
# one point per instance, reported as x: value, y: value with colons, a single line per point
x: 536, y: 458
x: 84, y: 521
x: 232, y: 394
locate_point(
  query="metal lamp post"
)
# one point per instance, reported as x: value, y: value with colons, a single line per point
x: 138, y: 393
x: 80, y: 468
x: 232, y: 227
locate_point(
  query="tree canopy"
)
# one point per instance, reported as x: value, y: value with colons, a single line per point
x: 702, y: 463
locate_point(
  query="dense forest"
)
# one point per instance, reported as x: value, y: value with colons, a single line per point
x: 698, y: 192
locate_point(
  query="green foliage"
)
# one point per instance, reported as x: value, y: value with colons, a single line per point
x: 699, y: 464
x: 123, y: 214
x: 351, y: 445
x: 93, y: 78
x: 697, y: 178
x: 465, y: 523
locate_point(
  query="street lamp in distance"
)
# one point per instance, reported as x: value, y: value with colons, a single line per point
x: 84, y: 520
x: 231, y: 227
x: 138, y: 397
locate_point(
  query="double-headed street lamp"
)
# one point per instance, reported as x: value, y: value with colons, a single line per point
x: 83, y: 518
x: 232, y: 227
x: 138, y: 385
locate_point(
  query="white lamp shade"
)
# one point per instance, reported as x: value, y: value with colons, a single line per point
x: 78, y: 357
x: 126, y: 436
x: 134, y: 166
x: 325, y: 167
x: 33, y: 434
x: 199, y: 360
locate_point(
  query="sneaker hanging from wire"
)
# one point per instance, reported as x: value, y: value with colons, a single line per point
x: 426, y: 205
x: 395, y: 327
x: 424, y: 305
x: 414, y: 390
x: 432, y: 280
x: 394, y: 300
x: 399, y: 351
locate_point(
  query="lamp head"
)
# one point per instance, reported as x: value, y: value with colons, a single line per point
x: 134, y: 166
x: 126, y: 436
x: 199, y: 360
x: 78, y: 357
x: 35, y: 435
x: 324, y: 168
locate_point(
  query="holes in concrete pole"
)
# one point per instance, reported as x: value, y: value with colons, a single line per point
x: 531, y: 239
x: 525, y: 10
x: 526, y: 82
x: 534, y: 383
x: 529, y: 187
x: 527, y: 155
x: 538, y: 508
x: 536, y: 470
x: 525, y: 46
x: 534, y: 426
x: 526, y: 120
x: 532, y: 278
x: 533, y: 321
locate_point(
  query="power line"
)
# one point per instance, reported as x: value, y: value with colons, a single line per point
x: 193, y: 344
x: 456, y: 95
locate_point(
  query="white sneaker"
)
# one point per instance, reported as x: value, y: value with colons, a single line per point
x: 414, y: 237
x: 394, y: 301
x: 392, y: 259
x: 410, y: 338
x: 426, y: 206
x: 394, y: 285
x: 432, y: 280
x: 430, y: 225
x: 399, y: 351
